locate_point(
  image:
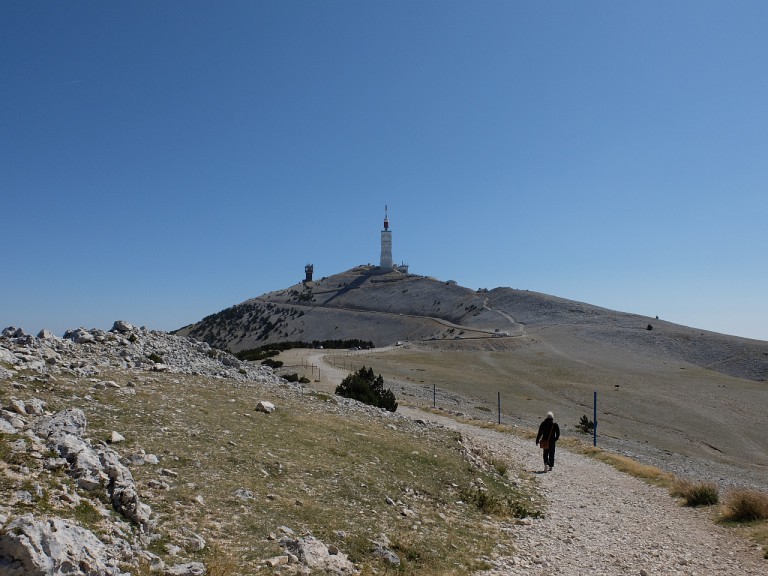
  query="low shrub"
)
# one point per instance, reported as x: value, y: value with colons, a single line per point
x: 746, y: 506
x: 499, y: 466
x: 585, y: 424
x: 86, y: 514
x: 368, y: 389
x: 493, y: 504
x: 696, y: 493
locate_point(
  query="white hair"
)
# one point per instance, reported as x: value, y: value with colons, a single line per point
x: 550, y: 415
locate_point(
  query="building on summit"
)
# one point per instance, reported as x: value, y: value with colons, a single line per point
x: 386, y: 264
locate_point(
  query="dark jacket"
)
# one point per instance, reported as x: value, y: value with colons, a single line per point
x: 547, y: 426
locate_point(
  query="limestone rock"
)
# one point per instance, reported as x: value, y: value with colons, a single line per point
x: 276, y: 561
x: 79, y: 336
x: 18, y: 407
x: 188, y: 569
x: 264, y: 406
x: 382, y: 551
x: 13, y: 332
x: 314, y: 554
x: 93, y: 467
x: 122, y: 326
x: 32, y: 547
x: 244, y: 494
x: 35, y: 406
x: 6, y: 427
x: 83, y: 352
x: 193, y: 541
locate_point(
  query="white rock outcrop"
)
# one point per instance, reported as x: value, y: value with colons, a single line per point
x: 35, y: 547
x: 314, y: 554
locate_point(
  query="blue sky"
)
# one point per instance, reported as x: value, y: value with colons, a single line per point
x: 161, y: 161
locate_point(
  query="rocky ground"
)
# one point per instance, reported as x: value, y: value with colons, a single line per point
x: 54, y: 467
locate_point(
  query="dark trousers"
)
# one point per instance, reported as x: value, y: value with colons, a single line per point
x: 549, y: 455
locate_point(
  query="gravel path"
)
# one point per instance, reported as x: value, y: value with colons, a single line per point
x: 601, y: 522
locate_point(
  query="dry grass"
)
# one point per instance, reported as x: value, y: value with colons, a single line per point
x: 748, y: 510
x: 311, y: 466
x: 695, y: 493
x: 745, y: 506
x: 650, y: 474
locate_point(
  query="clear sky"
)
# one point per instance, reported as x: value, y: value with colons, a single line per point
x: 161, y: 161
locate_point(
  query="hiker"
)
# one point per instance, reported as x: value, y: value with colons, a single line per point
x: 548, y: 434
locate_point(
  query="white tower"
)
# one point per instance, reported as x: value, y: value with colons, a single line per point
x: 386, y: 245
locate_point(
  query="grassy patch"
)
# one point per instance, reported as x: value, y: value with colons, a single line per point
x: 695, y: 493
x: 86, y: 514
x: 746, y: 506
x: 309, y: 466
x: 650, y: 474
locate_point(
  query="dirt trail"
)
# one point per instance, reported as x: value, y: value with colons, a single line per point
x: 601, y: 522
x: 598, y: 521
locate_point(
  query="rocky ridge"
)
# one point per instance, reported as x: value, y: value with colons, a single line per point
x: 84, y: 353
x: 52, y: 446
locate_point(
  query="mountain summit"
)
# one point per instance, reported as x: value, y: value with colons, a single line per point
x: 385, y: 308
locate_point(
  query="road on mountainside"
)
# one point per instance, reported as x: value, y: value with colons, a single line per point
x: 485, y: 332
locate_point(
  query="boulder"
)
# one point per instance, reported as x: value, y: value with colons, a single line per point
x: 79, y: 336
x: 32, y: 547
x: 188, y: 569
x: 35, y: 406
x: 123, y: 327
x: 71, y: 421
x: 264, y: 406
x: 244, y: 494
x: 314, y: 554
x: 385, y: 553
x: 8, y: 357
x: 94, y: 467
x: 13, y: 332
x: 7, y: 427
x: 18, y: 406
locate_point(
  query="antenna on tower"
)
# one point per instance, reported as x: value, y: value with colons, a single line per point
x: 386, y: 218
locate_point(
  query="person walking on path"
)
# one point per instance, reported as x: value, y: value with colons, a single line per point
x: 549, y: 432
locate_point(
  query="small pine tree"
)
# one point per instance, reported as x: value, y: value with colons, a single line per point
x: 585, y: 424
x: 368, y: 389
